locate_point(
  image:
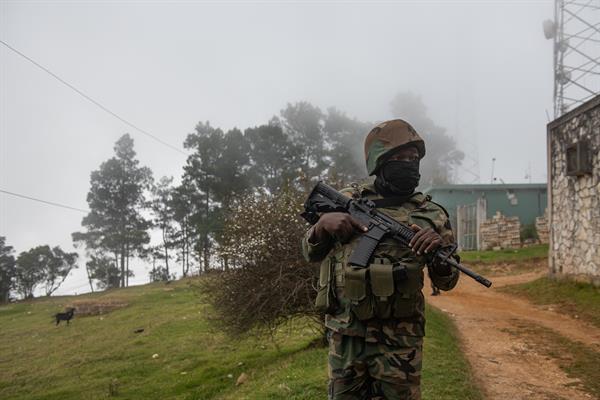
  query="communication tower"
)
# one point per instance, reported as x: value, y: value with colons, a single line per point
x: 576, y: 35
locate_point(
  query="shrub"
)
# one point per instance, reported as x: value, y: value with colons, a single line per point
x: 268, y: 282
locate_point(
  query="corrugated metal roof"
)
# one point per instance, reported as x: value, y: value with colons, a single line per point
x: 483, y: 186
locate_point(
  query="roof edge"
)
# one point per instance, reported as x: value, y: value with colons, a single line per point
x: 588, y: 105
x: 487, y: 186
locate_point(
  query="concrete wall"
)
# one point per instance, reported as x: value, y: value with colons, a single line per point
x: 574, y: 201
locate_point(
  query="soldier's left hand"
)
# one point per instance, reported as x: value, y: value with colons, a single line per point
x: 425, y: 240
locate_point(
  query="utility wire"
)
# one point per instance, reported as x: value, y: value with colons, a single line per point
x: 44, y: 201
x: 85, y: 96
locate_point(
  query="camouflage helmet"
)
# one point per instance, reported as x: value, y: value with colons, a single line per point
x: 387, y: 137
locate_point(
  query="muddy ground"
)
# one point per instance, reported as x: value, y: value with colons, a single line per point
x: 506, y: 365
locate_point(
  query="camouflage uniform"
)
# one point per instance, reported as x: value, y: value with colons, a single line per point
x: 376, y: 321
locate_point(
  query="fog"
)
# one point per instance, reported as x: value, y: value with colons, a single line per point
x: 483, y: 69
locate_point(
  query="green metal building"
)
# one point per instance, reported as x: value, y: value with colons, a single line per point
x: 481, y: 201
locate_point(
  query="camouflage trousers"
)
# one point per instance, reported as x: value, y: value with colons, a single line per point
x: 360, y: 370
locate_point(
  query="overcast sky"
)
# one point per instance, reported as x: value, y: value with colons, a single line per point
x: 484, y: 69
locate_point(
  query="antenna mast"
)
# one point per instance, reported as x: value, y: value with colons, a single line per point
x: 576, y: 34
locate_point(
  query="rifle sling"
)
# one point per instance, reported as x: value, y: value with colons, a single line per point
x: 391, y: 201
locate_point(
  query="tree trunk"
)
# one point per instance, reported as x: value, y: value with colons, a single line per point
x: 183, y: 271
x: 153, y: 267
x: 107, y: 277
x: 206, y: 254
x: 55, y: 288
x: 186, y: 247
x: 183, y: 263
x: 166, y: 252
x: 87, y: 270
x: 187, y: 257
x: 122, y: 266
x: 206, y: 250
x: 127, y: 274
x: 226, y: 263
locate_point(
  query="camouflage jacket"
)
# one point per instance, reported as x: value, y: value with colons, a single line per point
x: 408, y: 319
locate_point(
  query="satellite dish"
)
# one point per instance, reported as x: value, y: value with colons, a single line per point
x: 549, y: 29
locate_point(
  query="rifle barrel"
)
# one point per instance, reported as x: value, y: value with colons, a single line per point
x: 469, y: 272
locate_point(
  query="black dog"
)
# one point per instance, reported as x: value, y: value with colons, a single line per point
x: 66, y: 316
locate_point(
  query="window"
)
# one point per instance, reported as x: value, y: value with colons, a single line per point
x: 578, y: 159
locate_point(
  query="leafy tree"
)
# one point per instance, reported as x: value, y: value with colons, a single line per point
x: 183, y: 214
x: 345, y: 136
x: 116, y: 199
x: 200, y: 174
x: 162, y: 208
x: 303, y: 123
x: 42, y: 264
x: 216, y: 171
x: 232, y: 174
x: 442, y: 155
x: 92, y: 242
x: 59, y: 268
x: 104, y: 271
x: 7, y: 270
x: 29, y: 272
x: 275, y: 159
x: 160, y: 274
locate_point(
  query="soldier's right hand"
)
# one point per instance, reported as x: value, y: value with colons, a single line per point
x: 337, y: 225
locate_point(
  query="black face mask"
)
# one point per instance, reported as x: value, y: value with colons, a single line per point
x: 397, y: 178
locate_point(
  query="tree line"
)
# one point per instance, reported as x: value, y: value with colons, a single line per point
x: 222, y: 169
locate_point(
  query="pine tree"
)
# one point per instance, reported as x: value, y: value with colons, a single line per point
x: 115, y: 224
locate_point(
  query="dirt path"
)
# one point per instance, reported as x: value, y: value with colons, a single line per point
x: 502, y: 363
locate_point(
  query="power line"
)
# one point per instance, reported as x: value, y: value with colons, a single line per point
x: 85, y: 96
x: 44, y: 201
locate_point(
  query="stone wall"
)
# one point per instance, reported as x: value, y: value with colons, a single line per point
x: 575, y: 200
x: 500, y: 232
x: 542, y: 228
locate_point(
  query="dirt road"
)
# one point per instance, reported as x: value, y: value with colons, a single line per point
x: 504, y: 365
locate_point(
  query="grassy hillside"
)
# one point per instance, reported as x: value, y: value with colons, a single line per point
x: 100, y: 356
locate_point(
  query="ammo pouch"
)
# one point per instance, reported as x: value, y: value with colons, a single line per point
x: 325, y: 301
x: 383, y: 290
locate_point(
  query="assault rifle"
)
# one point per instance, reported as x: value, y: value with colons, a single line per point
x: 325, y: 199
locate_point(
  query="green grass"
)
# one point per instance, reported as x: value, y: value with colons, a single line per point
x: 525, y: 254
x: 446, y: 373
x: 571, y: 298
x: 303, y: 376
x: 100, y: 357
x: 577, y: 360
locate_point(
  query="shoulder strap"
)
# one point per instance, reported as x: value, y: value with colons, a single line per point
x: 397, y: 201
x: 440, y: 206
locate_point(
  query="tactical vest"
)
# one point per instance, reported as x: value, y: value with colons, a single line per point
x: 390, y: 287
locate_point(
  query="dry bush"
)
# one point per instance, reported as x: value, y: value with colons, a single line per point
x: 268, y: 282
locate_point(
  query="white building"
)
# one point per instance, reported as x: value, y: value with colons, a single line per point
x: 573, y: 142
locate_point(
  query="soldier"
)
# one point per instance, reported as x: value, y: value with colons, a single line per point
x: 375, y: 316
